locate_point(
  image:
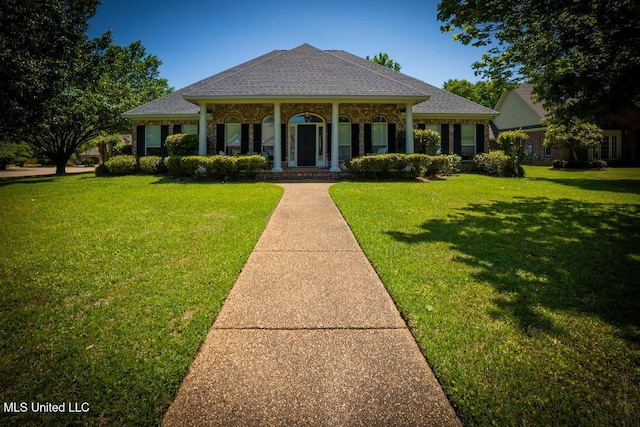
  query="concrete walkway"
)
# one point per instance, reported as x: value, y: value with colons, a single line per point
x: 18, y: 172
x: 309, y: 336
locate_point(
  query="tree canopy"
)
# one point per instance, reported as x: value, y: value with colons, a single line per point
x: 383, y: 59
x: 583, y: 56
x: 482, y: 92
x: 60, y: 88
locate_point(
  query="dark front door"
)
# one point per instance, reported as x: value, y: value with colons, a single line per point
x: 306, y: 145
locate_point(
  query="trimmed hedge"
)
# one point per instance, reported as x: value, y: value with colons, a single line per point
x: 398, y: 164
x: 215, y: 167
x: 494, y: 163
x: 152, y: 165
x: 182, y: 144
x: 122, y: 165
x: 564, y: 164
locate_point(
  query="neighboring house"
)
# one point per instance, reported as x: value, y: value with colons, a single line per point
x: 309, y: 107
x: 518, y: 110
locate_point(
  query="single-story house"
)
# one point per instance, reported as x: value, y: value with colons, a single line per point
x: 518, y: 110
x: 307, y: 107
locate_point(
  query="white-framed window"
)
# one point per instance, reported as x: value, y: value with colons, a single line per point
x: 344, y: 138
x: 547, y: 151
x: 152, y: 140
x: 468, y: 140
x: 267, y: 135
x: 379, y: 135
x: 609, y: 148
x: 190, y: 129
x: 232, y: 135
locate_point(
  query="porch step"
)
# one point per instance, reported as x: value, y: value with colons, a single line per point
x: 303, y: 174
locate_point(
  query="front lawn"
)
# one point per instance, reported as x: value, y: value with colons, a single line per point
x: 109, y: 286
x: 522, y: 293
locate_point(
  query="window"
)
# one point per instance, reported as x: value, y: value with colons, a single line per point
x: 267, y: 135
x: 344, y: 138
x: 468, y: 141
x: 190, y: 129
x: 232, y: 135
x: 547, y: 151
x: 432, y: 126
x: 379, y: 134
x: 609, y: 148
x: 152, y: 140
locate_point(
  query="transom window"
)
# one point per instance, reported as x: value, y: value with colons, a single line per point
x: 232, y: 135
x: 379, y: 135
x: 152, y: 140
x: 468, y: 140
x: 344, y: 138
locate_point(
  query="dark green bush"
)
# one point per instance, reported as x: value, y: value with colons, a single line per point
x: 444, y: 164
x: 6, y: 157
x: 152, y: 165
x: 215, y: 167
x: 396, y: 164
x: 250, y: 165
x: 122, y: 165
x: 558, y: 164
x: 102, y: 170
x: 494, y: 163
x: 182, y: 144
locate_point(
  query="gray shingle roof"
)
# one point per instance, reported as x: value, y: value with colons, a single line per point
x: 306, y: 71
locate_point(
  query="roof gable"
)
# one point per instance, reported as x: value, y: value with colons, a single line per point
x: 518, y: 110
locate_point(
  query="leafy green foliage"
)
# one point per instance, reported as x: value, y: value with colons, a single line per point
x: 484, y: 93
x: 182, y: 144
x: 399, y: 165
x: 11, y: 152
x: 215, y: 167
x: 512, y: 144
x: 494, y: 163
x: 582, y: 56
x: 576, y: 135
x: 106, y: 144
x: 122, y: 165
x: 425, y: 141
x: 152, y: 165
x: 384, y: 60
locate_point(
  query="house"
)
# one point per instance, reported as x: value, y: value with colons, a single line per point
x: 518, y: 110
x: 307, y: 107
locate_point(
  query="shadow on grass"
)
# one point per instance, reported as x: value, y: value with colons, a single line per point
x: 611, y: 185
x: 559, y: 254
x: 27, y: 180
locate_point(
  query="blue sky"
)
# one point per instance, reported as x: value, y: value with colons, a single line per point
x: 198, y: 38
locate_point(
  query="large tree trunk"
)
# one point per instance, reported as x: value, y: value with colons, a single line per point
x: 61, y: 166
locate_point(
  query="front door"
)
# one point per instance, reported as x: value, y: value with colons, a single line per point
x: 306, y: 145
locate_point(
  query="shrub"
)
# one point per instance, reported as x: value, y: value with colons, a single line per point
x: 250, y: 165
x: 6, y: 157
x: 418, y: 164
x: 425, y: 141
x: 122, y: 149
x: 182, y: 144
x: 444, y: 164
x: 512, y: 143
x: 152, y: 165
x: 386, y: 165
x: 494, y: 163
x: 102, y: 170
x: 598, y: 164
x: 558, y: 164
x: 122, y: 165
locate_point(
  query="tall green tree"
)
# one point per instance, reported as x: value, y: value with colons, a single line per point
x: 583, y: 56
x: 90, y: 84
x: 383, y: 59
x: 484, y: 93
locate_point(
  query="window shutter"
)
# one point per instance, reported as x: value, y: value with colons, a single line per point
x: 355, y: 140
x: 219, y: 138
x: 257, y: 137
x: 444, y: 139
x: 391, y: 138
x: 329, y: 137
x: 164, y: 132
x: 283, y: 142
x: 244, y: 138
x: 367, y: 138
x: 457, y: 139
x: 177, y: 129
x: 140, y: 140
x: 479, y: 138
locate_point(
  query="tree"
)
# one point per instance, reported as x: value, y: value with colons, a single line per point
x: 512, y: 143
x: 576, y: 135
x: 383, y: 59
x: 89, y: 82
x: 484, y: 93
x: 583, y: 57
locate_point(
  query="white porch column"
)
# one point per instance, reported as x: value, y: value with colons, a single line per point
x: 202, y: 131
x: 277, y: 144
x: 335, y: 135
x: 409, y: 128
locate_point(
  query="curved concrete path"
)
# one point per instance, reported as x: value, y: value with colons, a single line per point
x: 309, y: 336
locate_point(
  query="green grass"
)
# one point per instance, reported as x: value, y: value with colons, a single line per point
x: 522, y: 293
x: 109, y: 286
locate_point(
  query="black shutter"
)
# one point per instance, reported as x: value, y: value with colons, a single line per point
x: 257, y: 138
x: 164, y: 132
x: 140, y: 140
x: 283, y: 142
x: 422, y: 126
x: 367, y: 138
x: 391, y: 138
x: 444, y: 139
x: 177, y: 129
x: 355, y: 140
x: 329, y: 137
x: 244, y: 138
x: 479, y: 138
x: 457, y: 139
x: 219, y: 138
